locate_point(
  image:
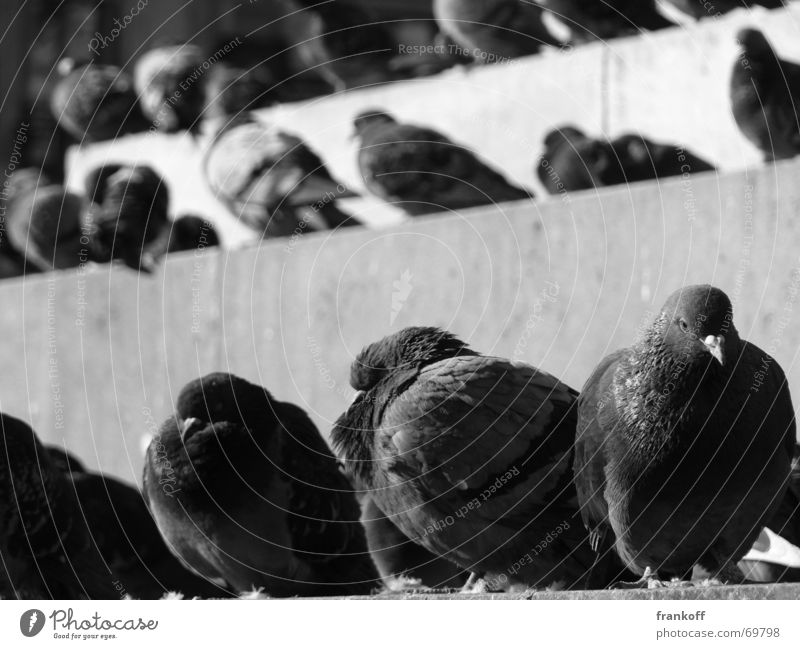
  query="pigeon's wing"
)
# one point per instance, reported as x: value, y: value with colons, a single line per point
x: 468, y: 420
x: 596, y: 416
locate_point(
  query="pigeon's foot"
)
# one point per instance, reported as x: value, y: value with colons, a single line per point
x: 476, y: 585
x: 649, y: 580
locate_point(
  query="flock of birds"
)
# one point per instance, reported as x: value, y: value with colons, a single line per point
x: 453, y: 470
x: 273, y: 182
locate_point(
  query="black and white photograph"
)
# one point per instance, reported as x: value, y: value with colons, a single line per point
x: 482, y: 316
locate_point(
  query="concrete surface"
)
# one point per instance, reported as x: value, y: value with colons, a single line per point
x: 671, y: 85
x: 96, y: 356
x: 761, y: 591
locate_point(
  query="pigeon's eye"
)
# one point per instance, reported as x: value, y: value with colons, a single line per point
x: 683, y: 325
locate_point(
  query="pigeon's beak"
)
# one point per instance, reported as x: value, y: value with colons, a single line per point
x: 190, y: 425
x: 716, y: 347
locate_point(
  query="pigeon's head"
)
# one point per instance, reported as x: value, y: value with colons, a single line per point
x: 223, y: 397
x: 563, y: 135
x: 190, y: 459
x: 753, y: 42
x: 634, y: 149
x: 697, y: 326
x: 370, y: 118
x: 408, y: 349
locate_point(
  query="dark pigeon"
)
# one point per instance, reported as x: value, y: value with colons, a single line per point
x: 273, y: 181
x: 470, y: 456
x: 47, y: 226
x: 684, y: 443
x: 492, y: 31
x: 778, y: 559
x: 590, y: 20
x: 96, y: 102
x: 245, y: 491
x: 189, y: 232
x: 46, y: 550
x: 170, y: 81
x: 129, y: 211
x: 765, y: 96
x: 422, y: 171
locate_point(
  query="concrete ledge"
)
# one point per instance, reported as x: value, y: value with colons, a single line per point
x: 95, y: 357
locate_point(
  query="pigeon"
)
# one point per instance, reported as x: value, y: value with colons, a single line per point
x: 573, y: 161
x: 644, y: 159
x: 776, y: 554
x: 129, y: 541
x: 590, y: 20
x: 397, y: 557
x: 189, y: 232
x: 273, y: 181
x: 129, y: 211
x: 46, y: 551
x: 422, y: 171
x: 471, y: 457
x: 94, y: 102
x: 684, y: 443
x: 47, y: 226
x: 704, y: 9
x: 246, y: 492
x: 170, y: 83
x: 493, y: 31
x: 343, y: 43
x: 765, y: 96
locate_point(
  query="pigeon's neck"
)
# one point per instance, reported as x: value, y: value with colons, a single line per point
x: 661, y: 394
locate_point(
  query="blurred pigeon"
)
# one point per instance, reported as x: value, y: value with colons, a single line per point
x: 273, y: 181
x: 765, y: 95
x: 705, y: 9
x: 644, y: 159
x: 573, y: 161
x: 45, y: 548
x: 189, y: 232
x: 95, y: 102
x: 128, y: 212
x: 471, y: 457
x: 346, y: 46
x: 396, y: 556
x: 590, y: 20
x: 170, y: 82
x: 245, y: 491
x: 684, y: 443
x: 424, y: 171
x: 47, y: 226
x: 491, y: 31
